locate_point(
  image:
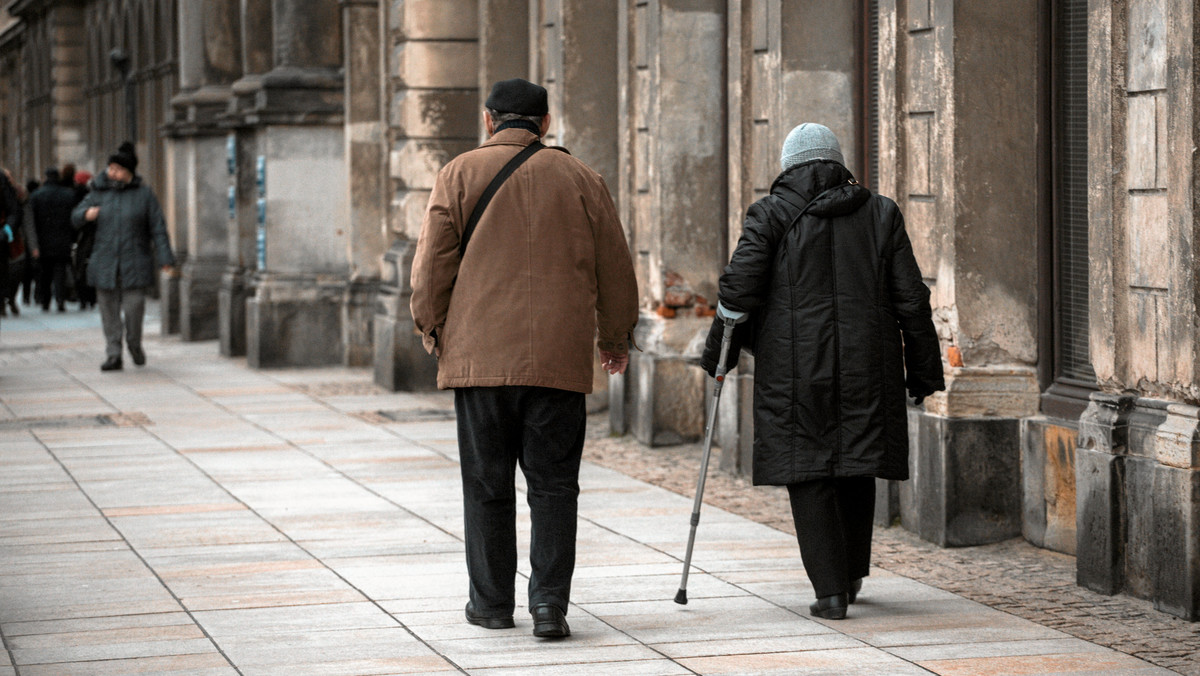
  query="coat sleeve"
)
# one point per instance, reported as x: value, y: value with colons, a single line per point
x: 616, y: 292
x: 12, y: 205
x: 910, y: 301
x: 435, y: 264
x: 746, y: 280
x: 77, y: 214
x: 158, y: 229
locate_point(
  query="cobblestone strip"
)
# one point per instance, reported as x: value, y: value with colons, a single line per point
x: 1013, y: 576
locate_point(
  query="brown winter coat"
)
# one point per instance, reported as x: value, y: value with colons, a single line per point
x: 546, y: 268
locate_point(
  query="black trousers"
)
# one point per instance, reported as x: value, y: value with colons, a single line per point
x: 542, y: 431
x: 834, y: 519
x: 52, y: 279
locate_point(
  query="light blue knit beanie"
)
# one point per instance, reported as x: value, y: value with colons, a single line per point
x: 810, y: 141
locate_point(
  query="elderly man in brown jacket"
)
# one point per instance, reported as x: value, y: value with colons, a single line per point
x: 513, y: 318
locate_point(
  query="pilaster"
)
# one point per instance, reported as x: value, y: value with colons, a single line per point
x: 432, y: 87
x: 672, y: 59
x: 303, y: 286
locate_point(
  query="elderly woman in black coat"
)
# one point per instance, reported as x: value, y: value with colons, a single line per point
x: 840, y: 327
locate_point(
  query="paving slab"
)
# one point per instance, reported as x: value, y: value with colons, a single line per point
x: 303, y: 521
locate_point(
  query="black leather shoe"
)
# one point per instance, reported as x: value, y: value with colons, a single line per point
x: 855, y: 587
x: 830, y: 607
x: 488, y: 622
x: 111, y: 364
x: 139, y: 356
x: 549, y: 621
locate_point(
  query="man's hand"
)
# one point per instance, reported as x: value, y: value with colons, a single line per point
x: 91, y: 214
x: 37, y: 253
x: 614, y: 363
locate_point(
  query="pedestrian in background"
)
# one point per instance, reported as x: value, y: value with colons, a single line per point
x: 513, y: 320
x: 130, y: 230
x: 81, y: 251
x: 27, y: 269
x: 840, y: 326
x: 52, y: 204
x: 12, y: 215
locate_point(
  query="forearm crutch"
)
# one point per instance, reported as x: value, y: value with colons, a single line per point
x: 730, y: 318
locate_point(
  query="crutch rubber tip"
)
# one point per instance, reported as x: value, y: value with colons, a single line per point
x: 681, y: 597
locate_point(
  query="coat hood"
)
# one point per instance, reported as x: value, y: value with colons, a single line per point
x: 804, y: 182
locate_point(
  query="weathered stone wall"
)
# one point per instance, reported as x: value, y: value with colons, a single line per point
x: 1138, y: 463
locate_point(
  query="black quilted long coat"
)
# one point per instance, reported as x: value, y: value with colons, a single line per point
x: 840, y: 327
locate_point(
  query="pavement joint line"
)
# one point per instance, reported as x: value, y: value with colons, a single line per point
x: 134, y: 550
x: 301, y: 547
x: 12, y: 659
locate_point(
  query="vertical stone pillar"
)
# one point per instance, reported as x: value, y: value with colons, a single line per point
x: 67, y: 78
x: 189, y: 19
x: 1144, y: 299
x: 576, y: 43
x: 237, y: 280
x: 365, y: 133
x: 433, y: 84
x: 210, y: 61
x: 673, y: 200
x: 296, y: 314
x: 964, y: 182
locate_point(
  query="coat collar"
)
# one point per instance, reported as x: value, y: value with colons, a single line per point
x: 511, y: 137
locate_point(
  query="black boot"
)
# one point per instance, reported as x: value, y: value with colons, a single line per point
x: 111, y: 364
x: 830, y: 607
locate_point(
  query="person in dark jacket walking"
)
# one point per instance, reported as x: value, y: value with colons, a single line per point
x: 11, y: 216
x: 130, y: 229
x: 52, y: 204
x: 841, y: 327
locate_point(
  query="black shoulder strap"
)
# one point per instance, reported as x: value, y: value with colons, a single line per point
x: 490, y: 192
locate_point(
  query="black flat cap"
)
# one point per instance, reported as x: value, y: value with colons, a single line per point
x: 518, y: 96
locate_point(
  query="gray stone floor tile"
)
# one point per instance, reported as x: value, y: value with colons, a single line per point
x: 1108, y: 663
x: 659, y: 667
x: 294, y: 619
x: 521, y: 649
x: 352, y: 652
x: 202, y: 664
x: 809, y: 663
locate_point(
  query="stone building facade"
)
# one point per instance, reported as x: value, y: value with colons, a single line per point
x: 1042, y: 152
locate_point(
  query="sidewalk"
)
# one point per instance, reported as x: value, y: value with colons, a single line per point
x: 197, y: 517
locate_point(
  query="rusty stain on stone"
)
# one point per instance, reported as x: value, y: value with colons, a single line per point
x: 1060, y: 445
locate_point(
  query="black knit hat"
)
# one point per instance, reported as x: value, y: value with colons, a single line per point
x: 518, y: 96
x: 126, y: 156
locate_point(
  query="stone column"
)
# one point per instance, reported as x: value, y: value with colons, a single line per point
x: 210, y: 56
x: 237, y: 281
x: 673, y: 200
x: 965, y: 184
x: 433, y: 84
x: 367, y: 205
x: 296, y: 314
x: 67, y: 78
x: 576, y: 59
x: 189, y: 18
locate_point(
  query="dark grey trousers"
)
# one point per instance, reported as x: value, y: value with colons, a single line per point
x: 541, y: 430
x: 113, y: 304
x: 834, y: 519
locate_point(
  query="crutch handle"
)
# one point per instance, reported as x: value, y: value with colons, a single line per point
x: 728, y: 315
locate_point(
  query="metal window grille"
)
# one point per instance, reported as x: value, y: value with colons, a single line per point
x: 1072, y: 354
